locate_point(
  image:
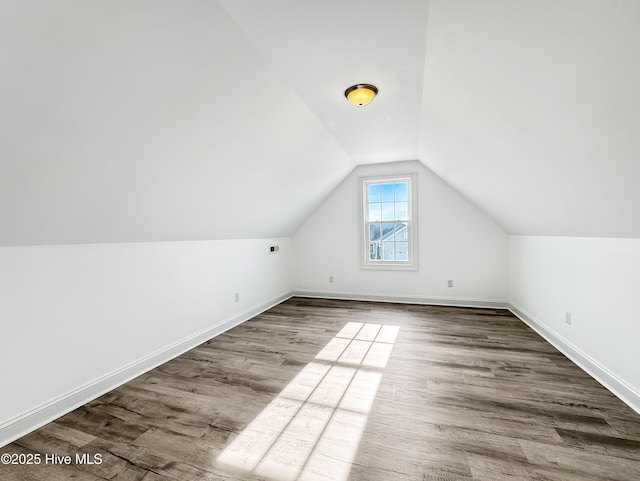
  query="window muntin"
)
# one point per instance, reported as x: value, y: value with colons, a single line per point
x: 387, y: 214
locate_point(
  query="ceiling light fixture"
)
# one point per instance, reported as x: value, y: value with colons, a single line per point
x: 361, y: 94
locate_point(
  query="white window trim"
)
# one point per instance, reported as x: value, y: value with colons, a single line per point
x: 412, y: 263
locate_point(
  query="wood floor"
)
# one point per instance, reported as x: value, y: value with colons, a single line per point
x: 336, y: 390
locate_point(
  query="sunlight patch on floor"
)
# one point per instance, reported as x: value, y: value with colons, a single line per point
x: 312, y: 429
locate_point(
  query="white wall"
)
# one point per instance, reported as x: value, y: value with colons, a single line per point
x: 456, y: 240
x: 72, y: 314
x: 598, y: 281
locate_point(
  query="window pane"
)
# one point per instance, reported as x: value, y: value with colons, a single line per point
x: 402, y: 251
x: 388, y: 231
x: 402, y: 211
x: 387, y: 192
x: 392, y: 232
x: 402, y: 232
x: 374, y: 232
x: 374, y: 212
x: 374, y: 193
x: 387, y: 251
x: 387, y: 211
x: 401, y: 191
x: 374, y: 251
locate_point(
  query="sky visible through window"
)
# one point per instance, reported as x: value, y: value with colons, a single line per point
x: 387, y: 221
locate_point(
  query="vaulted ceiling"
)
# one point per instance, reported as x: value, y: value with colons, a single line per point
x: 162, y: 120
x: 532, y: 110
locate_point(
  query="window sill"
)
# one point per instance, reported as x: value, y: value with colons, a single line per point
x: 388, y: 267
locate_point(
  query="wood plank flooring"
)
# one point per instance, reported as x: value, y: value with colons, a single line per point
x: 456, y: 394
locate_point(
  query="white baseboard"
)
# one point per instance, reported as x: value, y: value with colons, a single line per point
x: 24, y: 423
x: 379, y: 297
x: 609, y: 380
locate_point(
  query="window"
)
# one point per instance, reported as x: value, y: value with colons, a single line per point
x: 389, y: 236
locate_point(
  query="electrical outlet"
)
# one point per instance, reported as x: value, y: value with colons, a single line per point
x: 237, y: 297
x: 274, y: 249
x: 567, y: 318
x: 449, y: 283
x: 331, y: 279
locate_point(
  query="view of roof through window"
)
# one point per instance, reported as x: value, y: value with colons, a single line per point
x: 388, y: 207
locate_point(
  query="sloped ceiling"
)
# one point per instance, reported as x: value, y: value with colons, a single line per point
x: 148, y: 121
x: 163, y: 120
x: 323, y: 47
x: 532, y: 110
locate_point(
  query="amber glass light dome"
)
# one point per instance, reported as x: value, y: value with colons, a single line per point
x: 361, y: 94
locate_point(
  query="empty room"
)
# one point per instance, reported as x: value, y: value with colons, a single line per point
x: 269, y: 240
